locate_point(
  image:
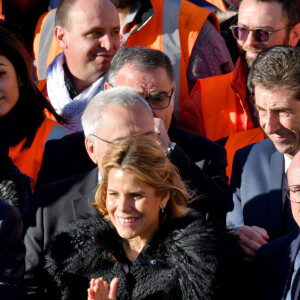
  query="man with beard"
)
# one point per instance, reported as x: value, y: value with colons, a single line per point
x: 184, y: 31
x: 166, y: 26
x: 259, y: 210
x: 88, y: 34
x: 261, y: 24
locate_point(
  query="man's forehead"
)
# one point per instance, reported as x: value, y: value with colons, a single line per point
x: 93, y: 12
x: 260, y: 11
x: 145, y: 82
x: 294, y: 172
x: 135, y: 115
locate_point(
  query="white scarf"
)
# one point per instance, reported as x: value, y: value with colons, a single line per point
x: 70, y: 109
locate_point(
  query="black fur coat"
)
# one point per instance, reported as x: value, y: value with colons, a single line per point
x: 186, y: 259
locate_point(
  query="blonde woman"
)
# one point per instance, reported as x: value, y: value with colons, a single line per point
x: 145, y: 242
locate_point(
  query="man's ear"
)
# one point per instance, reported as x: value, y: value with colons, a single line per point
x: 107, y: 86
x: 90, y: 148
x: 294, y: 35
x: 60, y: 35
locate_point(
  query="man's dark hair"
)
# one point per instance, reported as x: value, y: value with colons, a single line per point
x: 278, y: 66
x: 142, y: 58
x: 62, y: 13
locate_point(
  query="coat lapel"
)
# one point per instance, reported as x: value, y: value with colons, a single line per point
x: 292, y: 253
x: 82, y: 203
x: 275, y: 195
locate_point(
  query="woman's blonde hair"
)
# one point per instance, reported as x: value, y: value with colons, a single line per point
x: 143, y: 157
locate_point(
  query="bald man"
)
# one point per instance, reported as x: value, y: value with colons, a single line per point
x: 278, y: 262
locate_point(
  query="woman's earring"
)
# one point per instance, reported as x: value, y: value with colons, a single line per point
x: 162, y: 210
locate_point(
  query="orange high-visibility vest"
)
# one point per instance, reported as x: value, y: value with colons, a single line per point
x: 2, y: 17
x: 221, y: 106
x: 30, y: 159
x: 45, y: 46
x: 219, y: 4
x: 239, y: 140
x: 160, y: 32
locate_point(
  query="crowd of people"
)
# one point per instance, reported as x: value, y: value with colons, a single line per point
x: 149, y: 149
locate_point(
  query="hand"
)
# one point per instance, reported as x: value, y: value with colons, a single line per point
x: 251, y: 239
x: 99, y: 289
x: 163, y: 137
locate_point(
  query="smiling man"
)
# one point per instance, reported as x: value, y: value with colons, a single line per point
x: 109, y: 117
x: 263, y: 24
x: 88, y: 33
x: 277, y: 263
x: 260, y: 210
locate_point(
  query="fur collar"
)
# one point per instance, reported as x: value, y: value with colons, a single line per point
x: 182, y: 261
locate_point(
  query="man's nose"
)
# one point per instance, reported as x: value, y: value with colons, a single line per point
x: 251, y: 41
x: 271, y: 123
x: 106, y: 42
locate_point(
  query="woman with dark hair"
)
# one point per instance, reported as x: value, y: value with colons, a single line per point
x: 24, y: 128
x: 146, y: 242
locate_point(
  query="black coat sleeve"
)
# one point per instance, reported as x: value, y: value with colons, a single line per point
x: 210, y: 188
x: 12, y: 252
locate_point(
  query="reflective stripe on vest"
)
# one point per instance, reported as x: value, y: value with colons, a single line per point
x: 29, y: 160
x: 171, y: 42
x: 45, y: 44
x: 190, y: 19
x: 57, y: 132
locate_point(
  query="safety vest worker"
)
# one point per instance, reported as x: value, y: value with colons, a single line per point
x: 221, y: 105
x: 29, y: 160
x: 158, y: 29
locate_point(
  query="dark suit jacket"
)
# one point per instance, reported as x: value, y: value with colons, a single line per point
x: 274, y: 263
x: 12, y: 252
x: 201, y: 164
x: 64, y: 158
x: 54, y: 206
x: 256, y: 188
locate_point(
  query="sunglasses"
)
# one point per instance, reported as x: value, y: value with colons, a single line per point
x: 260, y: 35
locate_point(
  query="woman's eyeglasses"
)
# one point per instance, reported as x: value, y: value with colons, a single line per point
x: 260, y: 35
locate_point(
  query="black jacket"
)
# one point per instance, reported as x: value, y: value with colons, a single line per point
x: 186, y: 259
x: 201, y: 164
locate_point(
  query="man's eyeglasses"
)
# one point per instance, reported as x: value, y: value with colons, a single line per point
x: 159, y: 102
x: 103, y: 140
x: 117, y: 140
x: 260, y: 35
x: 293, y: 193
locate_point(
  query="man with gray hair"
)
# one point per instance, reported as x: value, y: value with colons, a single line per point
x: 150, y: 72
x: 110, y: 116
